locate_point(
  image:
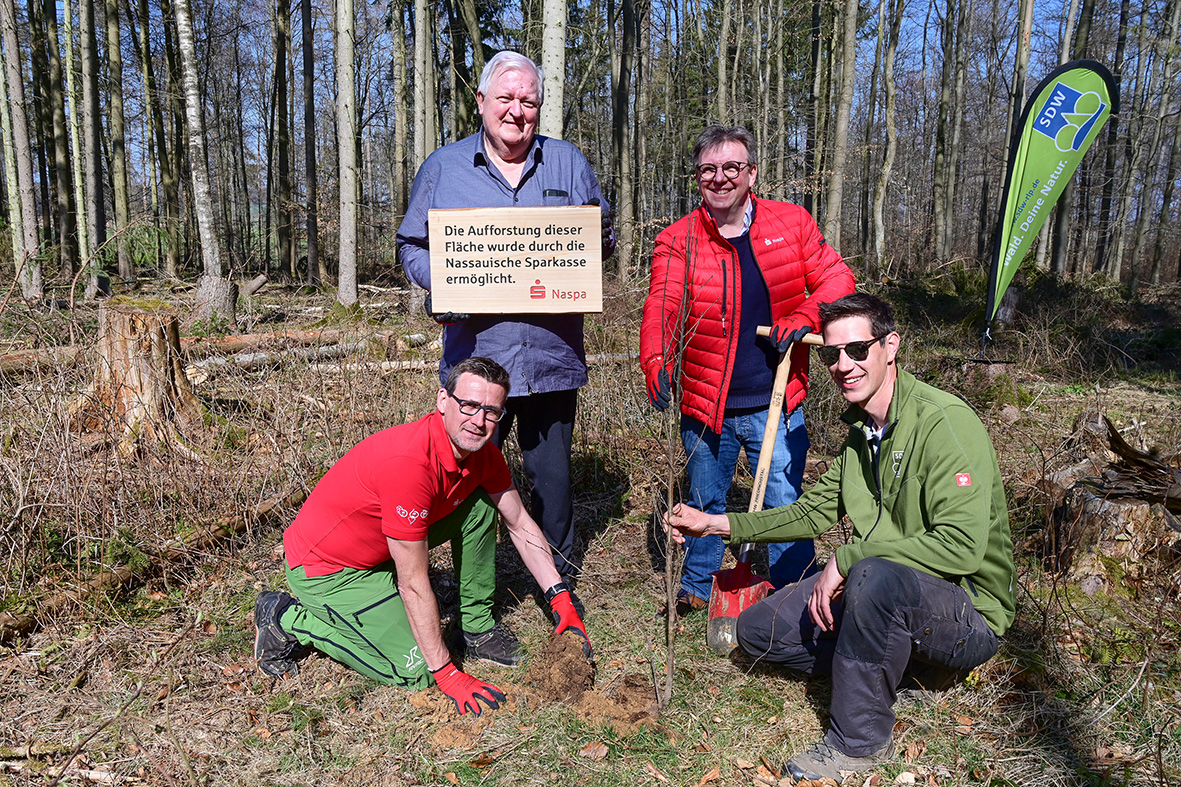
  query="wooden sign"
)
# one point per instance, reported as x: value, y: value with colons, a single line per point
x: 516, y: 260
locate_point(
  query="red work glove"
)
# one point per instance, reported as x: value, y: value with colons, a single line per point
x: 659, y: 384
x: 465, y: 690
x: 566, y: 619
x: 789, y: 330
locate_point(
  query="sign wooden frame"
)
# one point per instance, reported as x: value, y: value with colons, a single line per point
x: 516, y: 260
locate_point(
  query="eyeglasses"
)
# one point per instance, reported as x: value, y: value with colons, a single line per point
x: 472, y: 409
x: 857, y: 351
x: 730, y: 169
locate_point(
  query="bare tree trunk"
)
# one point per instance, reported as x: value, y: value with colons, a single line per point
x: 1060, y: 245
x: 424, y: 74
x: 812, y: 151
x: 942, y: 111
x: 963, y: 38
x: 1166, y: 206
x: 620, y: 148
x: 870, y: 116
x: 780, y: 191
x: 722, y: 108
x: 1133, y: 145
x: 96, y: 215
x: 1112, y: 147
x: 12, y: 188
x: 118, y: 144
x: 214, y: 297
x: 346, y: 124
x: 168, y: 154
x: 471, y: 21
x: 879, y: 199
x: 68, y: 254
x: 1164, y: 45
x: 309, y: 134
x: 553, y: 62
x: 840, y: 148
x: 28, y: 263
x: 283, y: 135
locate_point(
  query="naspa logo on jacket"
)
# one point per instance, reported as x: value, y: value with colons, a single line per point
x: 769, y: 241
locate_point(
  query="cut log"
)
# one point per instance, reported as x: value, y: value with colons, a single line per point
x: 255, y: 284
x: 139, y: 390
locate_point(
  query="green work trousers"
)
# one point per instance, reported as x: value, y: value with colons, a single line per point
x: 357, y: 617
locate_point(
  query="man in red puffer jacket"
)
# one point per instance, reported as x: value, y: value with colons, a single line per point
x: 733, y: 264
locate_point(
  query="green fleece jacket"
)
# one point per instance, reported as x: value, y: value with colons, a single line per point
x: 931, y: 498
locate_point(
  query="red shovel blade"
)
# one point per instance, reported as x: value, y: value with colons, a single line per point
x: 734, y: 590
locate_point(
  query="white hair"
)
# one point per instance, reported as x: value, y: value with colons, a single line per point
x: 508, y: 60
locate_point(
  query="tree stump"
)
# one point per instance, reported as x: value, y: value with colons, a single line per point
x: 140, y: 390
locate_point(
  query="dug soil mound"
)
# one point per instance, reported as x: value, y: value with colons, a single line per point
x: 561, y: 673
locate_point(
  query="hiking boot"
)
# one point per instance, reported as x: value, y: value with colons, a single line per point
x: 498, y: 645
x: 274, y: 648
x: 825, y: 761
x: 687, y: 604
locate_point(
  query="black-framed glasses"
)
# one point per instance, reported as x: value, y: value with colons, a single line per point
x: 857, y: 351
x: 730, y: 169
x: 472, y: 409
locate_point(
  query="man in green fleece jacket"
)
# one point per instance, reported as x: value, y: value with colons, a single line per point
x: 925, y: 585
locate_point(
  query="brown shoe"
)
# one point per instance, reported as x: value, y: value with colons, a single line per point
x: 687, y: 604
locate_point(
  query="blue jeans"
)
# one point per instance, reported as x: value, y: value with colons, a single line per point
x: 711, y: 461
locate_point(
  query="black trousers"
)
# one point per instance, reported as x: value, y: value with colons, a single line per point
x: 891, y: 618
x: 545, y: 433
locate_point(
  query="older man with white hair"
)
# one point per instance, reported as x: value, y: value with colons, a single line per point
x: 508, y: 164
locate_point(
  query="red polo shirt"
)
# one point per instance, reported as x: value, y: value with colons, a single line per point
x: 395, y: 483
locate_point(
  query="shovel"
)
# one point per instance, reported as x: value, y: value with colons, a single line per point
x: 736, y: 589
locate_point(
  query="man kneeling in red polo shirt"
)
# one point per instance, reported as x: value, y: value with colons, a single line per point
x: 357, y: 552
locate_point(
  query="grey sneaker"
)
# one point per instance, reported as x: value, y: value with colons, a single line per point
x: 498, y: 645
x: 825, y: 761
x: 274, y: 648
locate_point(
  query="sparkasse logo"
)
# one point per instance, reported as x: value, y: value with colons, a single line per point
x: 537, y: 291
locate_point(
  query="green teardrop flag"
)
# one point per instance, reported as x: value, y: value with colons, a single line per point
x: 1060, y: 121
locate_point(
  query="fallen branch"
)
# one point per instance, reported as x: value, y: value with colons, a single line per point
x: 203, y: 538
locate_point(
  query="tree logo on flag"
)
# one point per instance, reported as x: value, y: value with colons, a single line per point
x: 1068, y: 115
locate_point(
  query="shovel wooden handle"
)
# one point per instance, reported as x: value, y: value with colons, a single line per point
x: 774, y: 411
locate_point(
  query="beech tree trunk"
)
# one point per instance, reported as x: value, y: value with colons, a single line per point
x: 28, y: 263
x: 139, y: 391
x: 118, y: 144
x: 553, y: 62
x: 346, y: 135
x: 840, y: 147
x: 309, y: 141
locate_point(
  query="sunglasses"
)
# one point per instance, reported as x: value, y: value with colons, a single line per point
x: 857, y: 351
x: 472, y: 409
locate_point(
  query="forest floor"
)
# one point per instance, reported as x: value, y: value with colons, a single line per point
x: 155, y: 683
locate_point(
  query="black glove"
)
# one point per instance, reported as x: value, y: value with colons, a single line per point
x: 608, y: 230
x: 784, y: 334
x: 660, y: 389
x: 446, y: 318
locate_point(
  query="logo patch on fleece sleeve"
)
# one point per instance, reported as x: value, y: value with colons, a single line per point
x: 963, y: 479
x: 413, y: 515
